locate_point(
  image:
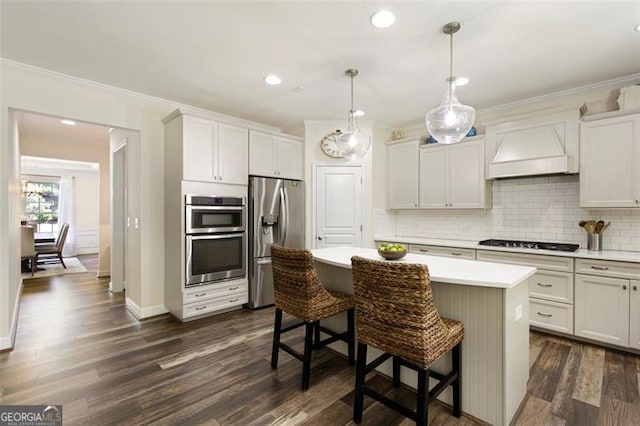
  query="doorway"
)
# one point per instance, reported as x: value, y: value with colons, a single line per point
x: 338, y: 205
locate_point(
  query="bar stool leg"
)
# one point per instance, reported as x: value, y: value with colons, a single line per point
x: 308, y: 348
x: 396, y: 372
x: 277, y: 326
x: 352, y: 335
x: 316, y: 334
x: 456, y: 360
x: 361, y: 365
x: 422, y: 412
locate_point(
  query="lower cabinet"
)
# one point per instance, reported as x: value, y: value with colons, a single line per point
x: 210, y: 298
x: 602, y: 309
x: 551, y: 298
x: 634, y: 315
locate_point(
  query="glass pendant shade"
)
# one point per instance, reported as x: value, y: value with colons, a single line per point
x: 451, y: 121
x: 353, y: 144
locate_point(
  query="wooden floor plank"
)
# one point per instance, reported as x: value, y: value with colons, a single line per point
x: 547, y: 370
x: 588, y: 388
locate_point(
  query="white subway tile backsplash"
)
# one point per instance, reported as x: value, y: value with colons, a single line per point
x: 541, y: 208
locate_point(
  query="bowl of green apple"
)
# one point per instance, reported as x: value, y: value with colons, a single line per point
x: 392, y: 251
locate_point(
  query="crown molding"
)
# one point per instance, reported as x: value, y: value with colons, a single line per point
x: 614, y: 83
x: 165, y: 103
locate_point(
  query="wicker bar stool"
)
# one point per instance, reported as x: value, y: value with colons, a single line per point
x: 298, y: 292
x: 396, y: 314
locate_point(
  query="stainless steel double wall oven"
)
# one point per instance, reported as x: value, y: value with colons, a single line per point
x: 215, y: 229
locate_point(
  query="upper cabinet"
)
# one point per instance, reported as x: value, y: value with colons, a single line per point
x: 275, y: 156
x: 533, y: 145
x: 403, y: 167
x: 610, y: 162
x: 436, y: 176
x: 452, y: 176
x: 210, y: 151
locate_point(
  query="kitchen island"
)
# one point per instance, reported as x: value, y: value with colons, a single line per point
x: 490, y: 299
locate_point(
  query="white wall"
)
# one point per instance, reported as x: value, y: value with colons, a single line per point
x: 315, y: 130
x: 31, y: 89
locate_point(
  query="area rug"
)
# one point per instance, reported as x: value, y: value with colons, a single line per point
x: 73, y: 267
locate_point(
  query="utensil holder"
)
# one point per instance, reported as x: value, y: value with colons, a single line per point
x: 594, y: 242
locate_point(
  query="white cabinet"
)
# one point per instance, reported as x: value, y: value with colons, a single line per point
x: 634, y: 315
x: 233, y: 154
x: 610, y: 162
x: 275, y: 156
x: 402, y: 182
x: 602, y: 309
x: 454, y: 252
x: 452, y: 176
x: 551, y: 288
x: 607, y: 301
x: 214, y: 152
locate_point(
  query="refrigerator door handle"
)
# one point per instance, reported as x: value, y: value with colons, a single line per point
x: 263, y: 261
x: 284, y: 213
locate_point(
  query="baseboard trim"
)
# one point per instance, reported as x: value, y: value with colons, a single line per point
x: 104, y: 274
x: 7, y: 343
x: 142, y: 313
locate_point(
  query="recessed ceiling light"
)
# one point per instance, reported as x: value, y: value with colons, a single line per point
x: 461, y: 81
x: 382, y: 19
x: 358, y: 113
x: 637, y: 27
x: 68, y: 122
x: 272, y: 79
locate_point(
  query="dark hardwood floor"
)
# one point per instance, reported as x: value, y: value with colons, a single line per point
x: 77, y: 345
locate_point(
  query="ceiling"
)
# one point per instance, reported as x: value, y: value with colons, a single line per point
x: 31, y: 125
x: 214, y: 54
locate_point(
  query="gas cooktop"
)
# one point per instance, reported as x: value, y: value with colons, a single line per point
x: 530, y: 245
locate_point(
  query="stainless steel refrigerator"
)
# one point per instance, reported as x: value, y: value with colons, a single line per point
x: 276, y: 216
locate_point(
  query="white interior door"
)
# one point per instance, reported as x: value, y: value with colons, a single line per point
x: 119, y: 217
x: 338, y: 201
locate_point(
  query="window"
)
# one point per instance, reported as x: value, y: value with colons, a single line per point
x: 42, y: 196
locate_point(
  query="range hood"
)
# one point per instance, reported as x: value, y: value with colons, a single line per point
x: 535, y: 146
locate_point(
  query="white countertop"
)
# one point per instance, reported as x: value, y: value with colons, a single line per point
x: 441, y: 269
x: 623, y: 256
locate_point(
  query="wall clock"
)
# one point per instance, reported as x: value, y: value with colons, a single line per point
x: 329, y: 145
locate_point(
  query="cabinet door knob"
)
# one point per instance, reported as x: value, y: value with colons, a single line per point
x: 624, y: 287
x: 635, y: 288
x: 220, y: 177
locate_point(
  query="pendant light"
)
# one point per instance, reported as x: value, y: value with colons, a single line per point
x: 353, y: 143
x: 451, y: 121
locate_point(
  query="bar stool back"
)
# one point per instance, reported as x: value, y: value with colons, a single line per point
x: 299, y: 292
x: 396, y: 314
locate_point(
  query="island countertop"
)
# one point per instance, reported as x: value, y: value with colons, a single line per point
x: 441, y: 269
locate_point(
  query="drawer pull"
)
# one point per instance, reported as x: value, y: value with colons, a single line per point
x: 456, y: 253
x: 424, y: 250
x: 200, y: 294
x: 201, y: 308
x: 545, y: 315
x: 545, y: 285
x: 600, y: 268
x: 233, y: 300
x: 233, y: 288
x: 624, y: 287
